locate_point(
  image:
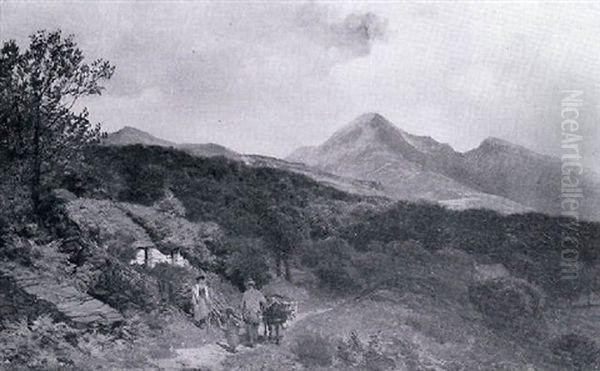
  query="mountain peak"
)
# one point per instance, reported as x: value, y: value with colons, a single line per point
x: 495, y: 141
x: 130, y: 135
x: 371, y: 119
x: 498, y: 144
x: 130, y: 129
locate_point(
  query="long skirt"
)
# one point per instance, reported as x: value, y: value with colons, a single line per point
x: 201, y: 311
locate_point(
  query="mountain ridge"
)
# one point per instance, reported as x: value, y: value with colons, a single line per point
x: 492, y: 175
x: 128, y: 136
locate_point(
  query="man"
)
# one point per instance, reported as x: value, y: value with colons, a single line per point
x: 252, y: 303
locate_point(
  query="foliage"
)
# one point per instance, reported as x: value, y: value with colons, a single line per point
x: 33, y: 345
x: 507, y: 302
x: 534, y: 238
x: 580, y: 352
x: 175, y: 285
x: 42, y: 344
x: 40, y: 134
x: 351, y: 352
x: 124, y: 288
x: 144, y: 184
x: 343, y: 269
x: 284, y: 231
x: 229, y: 193
x: 16, y: 249
x: 313, y: 349
x: 334, y: 265
x: 247, y: 259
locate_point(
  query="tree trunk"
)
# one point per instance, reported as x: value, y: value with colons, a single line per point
x: 278, y: 263
x: 36, y: 169
x: 288, y: 273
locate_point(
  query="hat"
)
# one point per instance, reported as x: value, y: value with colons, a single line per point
x: 201, y: 277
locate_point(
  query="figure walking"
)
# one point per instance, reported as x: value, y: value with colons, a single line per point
x: 232, y: 330
x: 201, y: 302
x: 253, y: 302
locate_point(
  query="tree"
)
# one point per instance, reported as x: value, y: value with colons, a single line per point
x: 284, y: 231
x: 247, y: 259
x: 40, y: 134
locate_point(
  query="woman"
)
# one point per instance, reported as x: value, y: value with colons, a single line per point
x: 201, y: 302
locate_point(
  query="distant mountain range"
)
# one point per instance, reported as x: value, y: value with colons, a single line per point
x: 129, y: 136
x: 498, y: 175
x: 371, y: 156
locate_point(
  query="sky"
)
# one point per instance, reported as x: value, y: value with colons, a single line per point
x: 268, y: 77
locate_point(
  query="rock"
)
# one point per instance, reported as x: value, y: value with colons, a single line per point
x: 25, y: 293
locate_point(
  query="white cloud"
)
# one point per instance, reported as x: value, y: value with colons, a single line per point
x: 278, y: 75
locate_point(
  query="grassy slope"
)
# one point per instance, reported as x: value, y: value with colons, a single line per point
x: 429, y: 317
x: 212, y: 189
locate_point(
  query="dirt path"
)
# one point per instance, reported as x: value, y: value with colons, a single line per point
x: 211, y: 356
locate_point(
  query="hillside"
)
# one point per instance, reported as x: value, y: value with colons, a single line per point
x: 228, y: 192
x: 358, y: 260
x: 497, y: 175
x: 129, y: 136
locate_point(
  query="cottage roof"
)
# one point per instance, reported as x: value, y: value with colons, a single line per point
x: 140, y: 244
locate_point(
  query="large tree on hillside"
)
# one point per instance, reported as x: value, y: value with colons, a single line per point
x: 284, y: 231
x: 41, y: 135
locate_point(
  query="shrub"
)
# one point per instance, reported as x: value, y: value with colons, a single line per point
x: 579, y: 351
x: 507, y: 302
x: 175, y: 285
x: 313, y: 350
x: 351, y: 351
x: 16, y: 249
x: 334, y: 265
x: 122, y: 287
x: 40, y: 344
x: 144, y: 184
x: 247, y: 258
x: 370, y: 357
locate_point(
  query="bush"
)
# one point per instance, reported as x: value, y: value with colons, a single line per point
x: 122, y: 287
x: 175, y: 285
x: 144, y: 184
x: 334, y: 266
x: 507, y: 302
x: 313, y: 350
x: 578, y: 351
x: 247, y: 258
x: 370, y: 357
x: 42, y: 344
x: 16, y: 249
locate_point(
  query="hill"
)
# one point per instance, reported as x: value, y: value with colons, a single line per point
x: 228, y: 192
x: 363, y: 258
x: 129, y: 136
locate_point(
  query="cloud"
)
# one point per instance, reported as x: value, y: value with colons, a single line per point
x: 350, y: 37
x: 267, y: 77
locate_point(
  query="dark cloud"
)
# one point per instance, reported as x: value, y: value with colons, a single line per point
x: 351, y: 37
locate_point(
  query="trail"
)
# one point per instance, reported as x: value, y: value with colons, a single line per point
x: 211, y: 356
